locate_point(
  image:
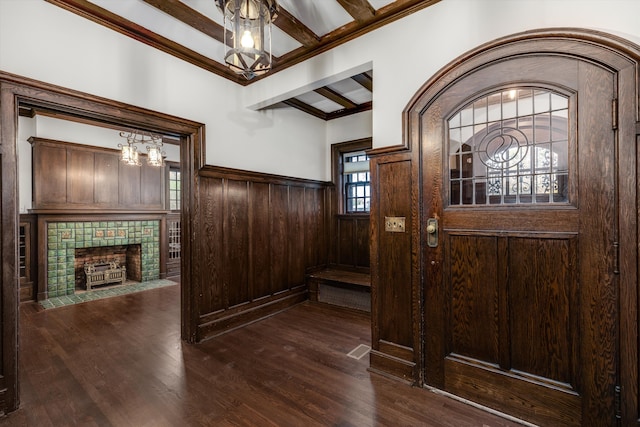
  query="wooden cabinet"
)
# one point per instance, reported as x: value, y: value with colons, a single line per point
x: 74, y: 176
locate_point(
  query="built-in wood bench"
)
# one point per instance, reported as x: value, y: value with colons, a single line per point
x: 338, y: 278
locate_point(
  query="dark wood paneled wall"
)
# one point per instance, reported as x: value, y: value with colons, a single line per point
x: 259, y: 234
x: 75, y: 176
x: 393, y: 270
x: 351, y: 241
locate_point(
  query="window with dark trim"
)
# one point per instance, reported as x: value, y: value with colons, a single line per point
x: 351, y: 176
x: 356, y: 180
x: 174, y: 188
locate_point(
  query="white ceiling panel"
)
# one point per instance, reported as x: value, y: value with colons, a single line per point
x: 319, y: 102
x: 378, y: 4
x: 321, y: 16
x: 206, y: 7
x: 352, y: 90
x: 282, y: 42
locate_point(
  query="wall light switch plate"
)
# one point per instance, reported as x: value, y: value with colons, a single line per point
x: 394, y: 224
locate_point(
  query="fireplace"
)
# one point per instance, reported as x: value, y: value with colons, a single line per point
x: 136, y: 243
x: 128, y: 256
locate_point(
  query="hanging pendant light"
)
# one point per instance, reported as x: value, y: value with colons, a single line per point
x: 249, y: 22
x: 129, y: 152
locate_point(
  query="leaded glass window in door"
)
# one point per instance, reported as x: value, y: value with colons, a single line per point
x: 510, y: 147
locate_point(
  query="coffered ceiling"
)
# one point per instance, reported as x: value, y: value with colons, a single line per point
x: 192, y: 30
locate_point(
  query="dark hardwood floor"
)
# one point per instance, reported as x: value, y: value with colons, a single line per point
x: 120, y: 362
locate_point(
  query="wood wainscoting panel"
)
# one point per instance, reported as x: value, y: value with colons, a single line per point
x: 316, y: 225
x: 296, y: 236
x: 235, y: 225
x: 278, y: 251
x: 352, y: 241
x: 260, y: 234
x: 210, y: 249
x: 260, y: 270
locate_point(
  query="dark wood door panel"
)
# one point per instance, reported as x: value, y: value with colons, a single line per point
x: 543, y: 320
x: 513, y: 219
x: 514, y: 394
x: 474, y: 297
x: 510, y: 304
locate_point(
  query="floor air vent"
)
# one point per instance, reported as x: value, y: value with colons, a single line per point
x: 359, y: 352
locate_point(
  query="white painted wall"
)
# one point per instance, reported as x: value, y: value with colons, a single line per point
x: 44, y: 42
x: 47, y: 43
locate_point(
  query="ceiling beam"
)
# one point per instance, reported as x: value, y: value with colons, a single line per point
x: 349, y: 111
x: 336, y: 97
x: 191, y: 17
x: 302, y: 106
x: 361, y: 10
x: 364, y: 80
x: 296, y: 29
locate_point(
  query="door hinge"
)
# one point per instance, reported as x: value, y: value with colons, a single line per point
x: 614, y: 114
x: 618, y: 403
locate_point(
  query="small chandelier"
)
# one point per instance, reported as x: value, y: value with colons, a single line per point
x: 129, y: 152
x: 247, y: 20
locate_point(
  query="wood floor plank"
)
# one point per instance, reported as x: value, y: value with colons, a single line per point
x: 120, y: 362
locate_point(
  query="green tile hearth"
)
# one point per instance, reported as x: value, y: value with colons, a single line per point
x: 112, y: 291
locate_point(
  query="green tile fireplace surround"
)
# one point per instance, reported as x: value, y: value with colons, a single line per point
x: 63, y: 238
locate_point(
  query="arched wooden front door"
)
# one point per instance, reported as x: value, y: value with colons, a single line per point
x: 525, y: 203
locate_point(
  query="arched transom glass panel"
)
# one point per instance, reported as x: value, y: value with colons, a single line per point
x: 510, y: 147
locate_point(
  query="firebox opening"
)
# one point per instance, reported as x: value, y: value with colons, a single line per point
x: 125, y: 255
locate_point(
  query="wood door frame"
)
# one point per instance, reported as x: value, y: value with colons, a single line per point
x: 622, y: 57
x: 17, y: 91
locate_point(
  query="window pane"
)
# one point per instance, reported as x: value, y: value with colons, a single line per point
x: 517, y: 156
x: 356, y: 179
x: 174, y: 189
